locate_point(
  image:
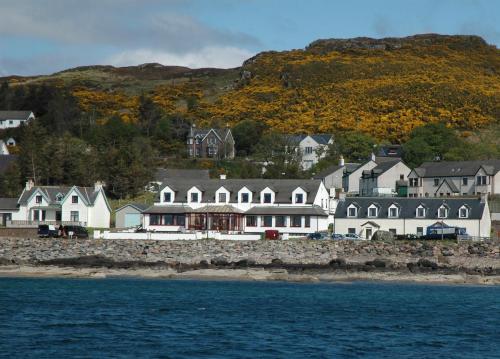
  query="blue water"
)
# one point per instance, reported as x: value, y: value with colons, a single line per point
x: 130, y: 318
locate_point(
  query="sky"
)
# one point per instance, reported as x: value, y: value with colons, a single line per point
x: 46, y: 36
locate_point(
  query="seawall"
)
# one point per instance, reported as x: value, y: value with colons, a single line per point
x: 295, y: 256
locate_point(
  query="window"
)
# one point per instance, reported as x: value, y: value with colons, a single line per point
x: 245, y: 198
x: 280, y: 221
x: 74, y: 199
x: 351, y: 230
x: 74, y: 216
x: 307, y: 220
x: 38, y: 199
x: 480, y: 180
x: 352, y: 212
x: 463, y: 212
x: 401, y: 177
x: 212, y: 151
x: 251, y: 221
x: 372, y: 212
x: 393, y: 212
x: 154, y: 219
x: 194, y: 197
x: 436, y: 182
x: 59, y: 197
x: 393, y: 230
x: 299, y: 198
x: 167, y: 220
x: 413, y: 182
x: 442, y: 212
x: 267, y: 197
x: 296, y: 221
x: 167, y: 197
x: 36, y: 215
x: 465, y: 181
x: 11, y: 122
x: 222, y: 197
x: 420, y: 231
x: 267, y: 221
x: 212, y: 140
x: 308, y: 150
x: 171, y: 220
x: 421, y: 212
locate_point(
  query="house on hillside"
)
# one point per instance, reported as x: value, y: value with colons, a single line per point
x: 86, y: 206
x: 210, y: 143
x: 163, y: 174
x: 394, y: 151
x: 12, y: 119
x: 388, y: 178
x: 332, y: 175
x: 295, y: 207
x: 4, y: 150
x: 455, y: 178
x: 366, y: 215
x: 311, y: 147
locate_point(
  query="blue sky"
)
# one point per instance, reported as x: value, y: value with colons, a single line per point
x: 41, y: 37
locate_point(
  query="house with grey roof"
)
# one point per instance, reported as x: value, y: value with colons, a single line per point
x: 455, y: 178
x: 332, y: 176
x: 296, y: 207
x: 311, y: 147
x: 86, y: 206
x: 385, y: 178
x: 210, y: 143
x: 130, y: 215
x: 12, y: 119
x: 7, y: 207
x: 366, y: 215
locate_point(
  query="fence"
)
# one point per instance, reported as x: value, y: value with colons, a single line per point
x: 166, y: 236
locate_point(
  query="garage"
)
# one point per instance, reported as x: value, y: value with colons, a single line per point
x: 129, y: 215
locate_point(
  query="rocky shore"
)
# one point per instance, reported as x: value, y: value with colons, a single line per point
x: 301, y: 260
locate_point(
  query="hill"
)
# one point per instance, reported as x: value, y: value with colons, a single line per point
x: 384, y: 87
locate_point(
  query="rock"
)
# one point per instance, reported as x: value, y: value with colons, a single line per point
x: 277, y: 262
x: 338, y: 263
x: 245, y: 263
x: 378, y: 263
x: 447, y: 252
x: 383, y: 236
x: 425, y: 263
x: 220, y: 261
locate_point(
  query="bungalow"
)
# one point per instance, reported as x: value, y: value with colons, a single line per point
x: 12, y: 119
x: 364, y: 215
x: 86, y: 206
x: 240, y: 205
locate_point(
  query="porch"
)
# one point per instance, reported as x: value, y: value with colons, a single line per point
x: 224, y: 218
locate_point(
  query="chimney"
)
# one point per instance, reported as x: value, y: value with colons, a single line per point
x: 373, y: 158
x: 341, y: 161
x: 222, y: 176
x: 29, y: 184
x: 484, y: 197
x: 98, y: 185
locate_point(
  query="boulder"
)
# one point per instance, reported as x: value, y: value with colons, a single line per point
x: 383, y: 236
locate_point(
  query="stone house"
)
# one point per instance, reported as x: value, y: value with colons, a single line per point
x: 210, y: 143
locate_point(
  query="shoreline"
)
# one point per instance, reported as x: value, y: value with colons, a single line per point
x: 242, y: 274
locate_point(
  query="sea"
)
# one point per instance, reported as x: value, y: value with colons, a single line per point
x: 142, y: 318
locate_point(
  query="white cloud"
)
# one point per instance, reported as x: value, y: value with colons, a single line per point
x: 210, y: 56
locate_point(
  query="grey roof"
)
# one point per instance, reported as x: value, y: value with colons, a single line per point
x: 322, y: 139
x: 457, y: 168
x: 381, y: 168
x: 390, y: 151
x: 408, y: 206
x: 171, y: 209
x: 348, y: 167
x: 450, y: 184
x: 202, y: 132
x: 14, y: 115
x: 165, y: 173
x: 139, y: 206
x: 8, y: 203
x: 283, y: 188
x: 6, y: 161
x: 282, y: 210
x: 88, y: 193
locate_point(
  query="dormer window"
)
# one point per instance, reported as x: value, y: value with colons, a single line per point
x: 38, y: 199
x: 372, y: 211
x: 245, y: 198
x: 194, y: 197
x: 267, y: 198
x: 299, y: 198
x: 352, y: 211
x: 222, y: 197
x: 442, y: 212
x: 167, y: 197
x: 463, y: 212
x: 59, y: 197
x: 420, y: 212
x: 393, y: 211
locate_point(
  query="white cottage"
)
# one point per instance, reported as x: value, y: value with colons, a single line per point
x: 12, y: 119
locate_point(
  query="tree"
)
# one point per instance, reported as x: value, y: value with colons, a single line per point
x: 149, y: 114
x: 247, y: 134
x: 10, y: 181
x: 354, y: 146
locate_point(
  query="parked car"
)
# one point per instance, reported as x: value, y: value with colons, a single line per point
x: 338, y: 236
x: 47, y: 231
x: 318, y: 236
x: 352, y: 236
x: 75, y: 232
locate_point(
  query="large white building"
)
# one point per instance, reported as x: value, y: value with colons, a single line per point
x: 295, y: 207
x: 12, y: 119
x: 365, y: 215
x: 86, y: 206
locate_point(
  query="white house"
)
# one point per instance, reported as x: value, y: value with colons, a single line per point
x: 384, y: 179
x: 311, y: 147
x: 4, y: 150
x: 332, y: 176
x: 86, y: 206
x: 365, y: 215
x: 455, y: 178
x: 240, y: 206
x: 12, y: 119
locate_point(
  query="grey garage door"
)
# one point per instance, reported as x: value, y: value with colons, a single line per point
x: 132, y: 219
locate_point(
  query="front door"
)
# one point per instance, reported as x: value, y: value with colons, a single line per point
x: 58, y: 216
x: 369, y: 233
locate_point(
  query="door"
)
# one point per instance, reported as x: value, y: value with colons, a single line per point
x: 58, y: 216
x: 369, y: 233
x: 132, y: 219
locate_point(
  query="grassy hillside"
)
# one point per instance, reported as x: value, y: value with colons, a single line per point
x: 382, y: 87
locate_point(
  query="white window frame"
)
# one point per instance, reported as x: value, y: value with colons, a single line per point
x: 355, y: 211
x: 416, y: 212
x: 466, y: 212
x: 373, y: 207
x: 445, y: 212
x: 391, y: 207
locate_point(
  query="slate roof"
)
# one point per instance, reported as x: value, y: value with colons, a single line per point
x: 381, y: 168
x: 202, y: 132
x: 457, y: 168
x: 408, y: 207
x: 282, y: 210
x: 450, y: 184
x: 88, y: 193
x: 282, y: 187
x: 169, y: 209
x: 321, y: 139
x: 139, y: 206
x: 8, y: 204
x: 165, y: 173
x: 390, y: 151
x: 14, y: 115
x: 349, y: 167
